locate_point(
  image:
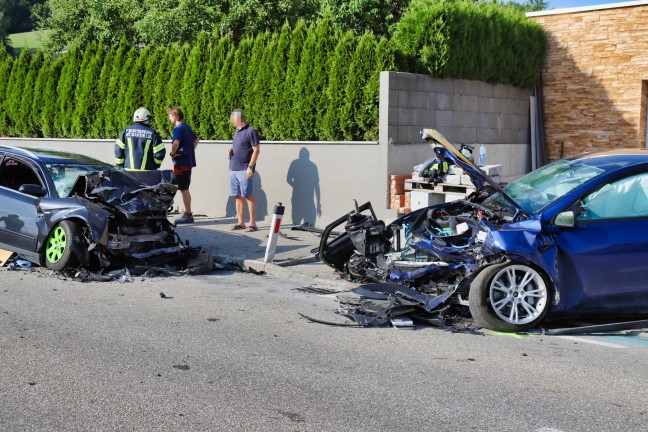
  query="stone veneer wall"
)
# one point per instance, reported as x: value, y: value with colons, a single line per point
x: 593, y: 81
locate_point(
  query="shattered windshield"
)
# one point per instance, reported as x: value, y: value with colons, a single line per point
x: 541, y: 187
x: 65, y: 175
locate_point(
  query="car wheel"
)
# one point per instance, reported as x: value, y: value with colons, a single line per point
x: 509, y: 297
x: 60, y: 246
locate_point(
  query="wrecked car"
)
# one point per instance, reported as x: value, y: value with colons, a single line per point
x: 65, y: 210
x: 569, y: 239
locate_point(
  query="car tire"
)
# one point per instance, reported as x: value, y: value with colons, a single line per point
x: 509, y: 297
x: 61, y: 244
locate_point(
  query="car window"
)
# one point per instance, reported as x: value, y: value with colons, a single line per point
x: 15, y: 173
x: 625, y: 198
x: 65, y: 176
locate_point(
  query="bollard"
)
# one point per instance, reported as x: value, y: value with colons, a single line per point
x: 274, y: 232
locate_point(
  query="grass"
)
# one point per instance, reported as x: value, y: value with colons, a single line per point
x: 31, y: 40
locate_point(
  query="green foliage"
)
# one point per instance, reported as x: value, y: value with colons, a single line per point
x: 367, y: 114
x: 38, y: 101
x: 96, y: 127
x: 261, y: 89
x: 50, y: 98
x: 15, y: 88
x: 276, y: 107
x: 5, y: 71
x: 25, y: 122
x: 222, y: 109
x: 219, y: 49
x: 327, y: 37
x: 86, y: 101
x: 65, y: 93
x: 192, y: 82
x: 160, y: 118
x: 360, y: 16
x: 250, y: 96
x: 360, y: 72
x: 481, y: 41
x: 335, y: 91
x: 236, y: 89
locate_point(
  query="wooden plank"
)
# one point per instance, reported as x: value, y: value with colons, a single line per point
x: 4, y: 256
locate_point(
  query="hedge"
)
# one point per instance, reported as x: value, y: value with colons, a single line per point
x: 302, y: 83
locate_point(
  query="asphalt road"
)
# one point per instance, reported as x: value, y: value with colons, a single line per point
x: 229, y: 351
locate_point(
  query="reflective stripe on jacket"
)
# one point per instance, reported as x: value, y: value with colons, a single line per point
x: 139, y: 148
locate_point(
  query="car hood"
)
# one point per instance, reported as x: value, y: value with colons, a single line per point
x: 134, y: 194
x: 477, y: 176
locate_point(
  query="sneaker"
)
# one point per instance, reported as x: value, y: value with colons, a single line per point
x: 186, y: 218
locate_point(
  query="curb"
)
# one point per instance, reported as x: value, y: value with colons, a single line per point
x: 279, y: 271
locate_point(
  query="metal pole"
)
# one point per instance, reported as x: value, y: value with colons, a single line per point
x: 274, y: 232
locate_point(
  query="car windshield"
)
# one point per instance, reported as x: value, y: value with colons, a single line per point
x: 541, y: 187
x: 65, y: 175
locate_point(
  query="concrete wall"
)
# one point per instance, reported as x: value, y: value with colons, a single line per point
x: 342, y: 171
x: 595, y: 81
x: 465, y: 112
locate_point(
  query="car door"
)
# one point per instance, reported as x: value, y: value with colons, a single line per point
x: 18, y: 211
x: 603, y: 259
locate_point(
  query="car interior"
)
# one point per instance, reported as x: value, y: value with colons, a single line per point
x: 14, y: 173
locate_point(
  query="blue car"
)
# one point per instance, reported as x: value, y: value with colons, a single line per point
x: 67, y: 211
x: 569, y: 239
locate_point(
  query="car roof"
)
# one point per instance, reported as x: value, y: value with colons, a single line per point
x: 46, y: 155
x: 610, y: 160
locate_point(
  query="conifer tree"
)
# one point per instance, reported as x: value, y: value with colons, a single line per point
x: 367, y: 116
x: 327, y: 38
x: 193, y: 81
x: 336, y: 89
x: 277, y: 85
x: 260, y: 104
x: 65, y: 93
x: 111, y: 94
x: 153, y: 60
x: 218, y: 53
x: 5, y: 72
x: 302, y: 112
x: 86, y: 94
x: 12, y: 103
x: 134, y: 97
x: 256, y: 57
x: 38, y: 101
x: 24, y: 125
x: 220, y: 115
x: 96, y: 127
x: 360, y: 72
x: 238, y: 76
x: 175, y: 78
x: 123, y: 108
x: 50, y: 98
x: 160, y: 119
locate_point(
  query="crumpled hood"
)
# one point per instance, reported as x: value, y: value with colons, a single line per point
x: 477, y: 176
x: 134, y: 194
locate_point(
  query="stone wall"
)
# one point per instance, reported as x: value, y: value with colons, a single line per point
x: 594, y: 79
x: 465, y: 112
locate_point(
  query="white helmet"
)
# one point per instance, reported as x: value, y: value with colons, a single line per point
x: 142, y: 115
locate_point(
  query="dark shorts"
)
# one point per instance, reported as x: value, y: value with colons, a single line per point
x: 183, y: 177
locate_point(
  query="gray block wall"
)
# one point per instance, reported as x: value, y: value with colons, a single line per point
x: 465, y: 112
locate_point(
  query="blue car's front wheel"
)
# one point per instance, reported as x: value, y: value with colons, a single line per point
x: 509, y: 297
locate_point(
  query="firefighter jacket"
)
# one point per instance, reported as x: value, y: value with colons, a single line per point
x: 139, y: 148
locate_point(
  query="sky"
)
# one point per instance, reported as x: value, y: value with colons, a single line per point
x: 561, y: 4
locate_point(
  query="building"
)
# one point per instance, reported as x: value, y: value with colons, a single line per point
x: 595, y: 81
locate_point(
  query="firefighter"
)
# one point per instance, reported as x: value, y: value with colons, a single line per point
x: 435, y: 170
x: 139, y: 147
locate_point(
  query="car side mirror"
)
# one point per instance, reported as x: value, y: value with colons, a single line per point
x: 33, y: 189
x: 565, y: 219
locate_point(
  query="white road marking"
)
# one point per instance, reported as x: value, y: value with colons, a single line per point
x: 592, y: 341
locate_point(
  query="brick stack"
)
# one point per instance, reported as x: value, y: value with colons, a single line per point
x: 399, y: 199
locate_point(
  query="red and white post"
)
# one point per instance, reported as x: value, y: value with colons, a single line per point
x: 274, y: 232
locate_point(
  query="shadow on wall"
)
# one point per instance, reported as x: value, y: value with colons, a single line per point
x: 262, y: 201
x: 579, y: 114
x: 303, y: 177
